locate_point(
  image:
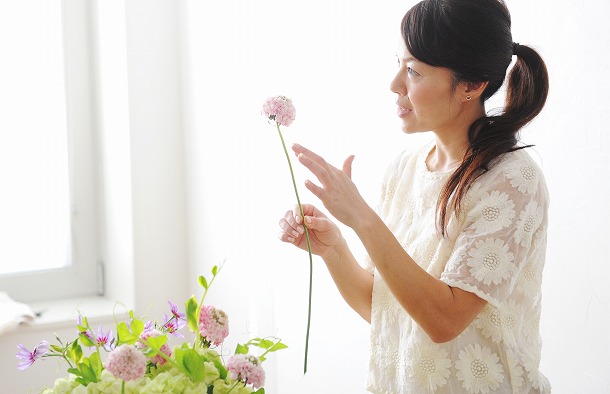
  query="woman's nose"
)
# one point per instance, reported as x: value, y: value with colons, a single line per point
x: 398, y: 85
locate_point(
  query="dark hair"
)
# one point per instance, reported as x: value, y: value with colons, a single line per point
x: 472, y: 38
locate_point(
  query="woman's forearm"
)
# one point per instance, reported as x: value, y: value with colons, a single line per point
x: 353, y: 282
x: 443, y: 312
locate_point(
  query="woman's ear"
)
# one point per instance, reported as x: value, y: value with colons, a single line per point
x: 473, y: 90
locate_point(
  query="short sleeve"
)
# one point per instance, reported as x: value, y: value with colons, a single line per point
x: 505, y: 216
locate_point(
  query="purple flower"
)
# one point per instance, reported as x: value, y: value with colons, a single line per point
x: 174, y: 322
x: 27, y: 358
x: 82, y: 330
x: 104, y: 339
x: 172, y: 325
x: 175, y: 312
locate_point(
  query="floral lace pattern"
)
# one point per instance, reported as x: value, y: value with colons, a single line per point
x: 495, y: 248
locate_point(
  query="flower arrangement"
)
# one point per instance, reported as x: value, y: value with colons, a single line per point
x: 281, y: 111
x: 139, y: 358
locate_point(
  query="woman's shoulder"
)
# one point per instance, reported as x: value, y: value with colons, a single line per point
x: 515, y: 172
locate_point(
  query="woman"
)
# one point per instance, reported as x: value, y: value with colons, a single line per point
x: 457, y: 245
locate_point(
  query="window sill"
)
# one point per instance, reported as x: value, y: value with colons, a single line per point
x: 63, y: 312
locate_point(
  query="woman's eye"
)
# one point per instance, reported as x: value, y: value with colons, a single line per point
x: 412, y: 72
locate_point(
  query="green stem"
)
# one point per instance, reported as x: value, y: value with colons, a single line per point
x: 296, y: 192
x: 232, y: 387
x: 198, y: 312
x: 123, y: 387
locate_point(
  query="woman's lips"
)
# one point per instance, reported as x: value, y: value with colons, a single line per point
x: 401, y: 112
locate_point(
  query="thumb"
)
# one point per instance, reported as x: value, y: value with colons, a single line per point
x: 347, y: 166
x: 318, y: 224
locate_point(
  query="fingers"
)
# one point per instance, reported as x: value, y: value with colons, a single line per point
x: 291, y: 230
x: 298, y: 149
x: 347, y: 166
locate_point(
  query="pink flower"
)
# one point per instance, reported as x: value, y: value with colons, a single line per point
x: 126, y: 362
x: 246, y: 368
x: 158, y: 359
x: 280, y: 110
x: 213, y: 324
x: 27, y: 358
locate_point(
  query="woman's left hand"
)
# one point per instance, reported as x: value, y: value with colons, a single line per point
x: 337, y: 191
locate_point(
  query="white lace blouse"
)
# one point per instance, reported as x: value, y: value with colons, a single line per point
x: 495, y: 249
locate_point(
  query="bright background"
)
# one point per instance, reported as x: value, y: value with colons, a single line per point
x: 194, y: 175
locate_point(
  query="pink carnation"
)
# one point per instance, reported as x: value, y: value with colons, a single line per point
x: 246, y: 368
x: 213, y: 324
x: 158, y: 359
x: 280, y: 110
x: 126, y: 362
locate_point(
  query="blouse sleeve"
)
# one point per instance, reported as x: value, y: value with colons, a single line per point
x: 505, y: 223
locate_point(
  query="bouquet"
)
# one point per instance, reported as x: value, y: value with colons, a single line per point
x: 139, y: 358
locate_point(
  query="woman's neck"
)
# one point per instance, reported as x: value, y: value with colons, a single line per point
x: 451, y: 145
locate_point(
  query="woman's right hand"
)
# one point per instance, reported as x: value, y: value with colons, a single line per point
x: 324, y: 236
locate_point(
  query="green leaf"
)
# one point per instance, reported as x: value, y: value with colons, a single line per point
x: 96, y: 364
x: 58, y: 349
x: 215, y: 270
x: 221, y: 368
x: 85, y: 340
x: 76, y: 352
x: 265, y: 344
x: 131, y: 334
x: 123, y: 334
x: 191, y: 314
x: 154, y: 345
x: 191, y: 363
x: 137, y: 327
x: 277, y: 346
x: 203, y: 282
x: 259, y: 391
x: 87, y: 373
x: 241, y: 349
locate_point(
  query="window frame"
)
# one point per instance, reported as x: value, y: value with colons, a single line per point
x: 85, y: 275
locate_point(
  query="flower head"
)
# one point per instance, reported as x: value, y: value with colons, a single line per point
x: 213, y: 324
x: 280, y: 110
x: 158, y: 359
x: 104, y: 339
x: 27, y: 358
x: 246, y: 368
x: 172, y: 325
x: 126, y: 362
x: 174, y: 322
x: 176, y: 312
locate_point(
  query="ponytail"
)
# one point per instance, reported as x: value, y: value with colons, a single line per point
x: 492, y: 136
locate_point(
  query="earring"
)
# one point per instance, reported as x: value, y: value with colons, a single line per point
x: 468, y: 98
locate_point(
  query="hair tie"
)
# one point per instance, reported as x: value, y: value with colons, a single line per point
x: 515, y: 47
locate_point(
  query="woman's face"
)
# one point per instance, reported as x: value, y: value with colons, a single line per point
x: 427, y: 98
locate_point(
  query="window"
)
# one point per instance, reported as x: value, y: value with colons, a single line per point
x: 49, y: 246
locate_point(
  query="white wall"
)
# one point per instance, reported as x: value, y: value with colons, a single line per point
x: 573, y: 141
x: 208, y: 180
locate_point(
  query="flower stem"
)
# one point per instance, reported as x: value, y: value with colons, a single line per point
x: 232, y: 387
x: 296, y: 192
